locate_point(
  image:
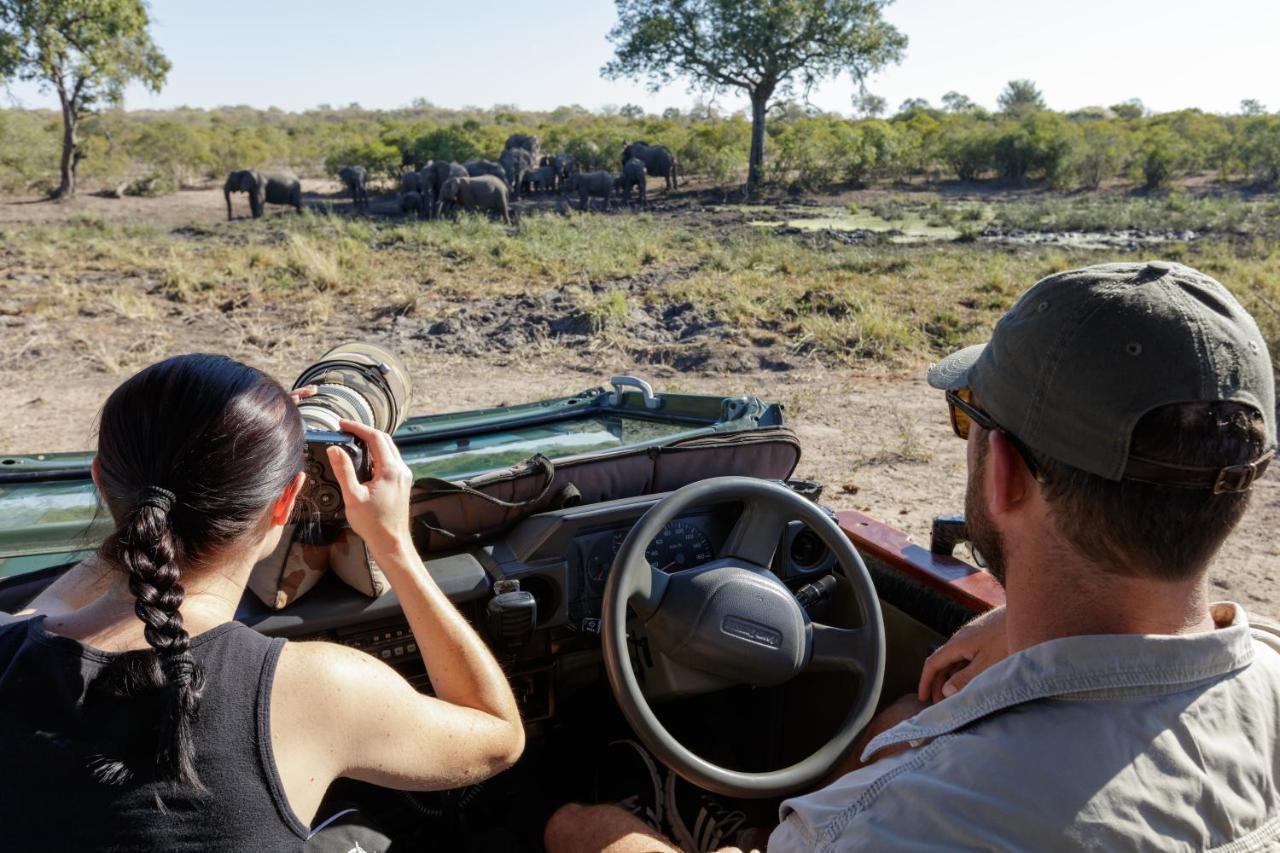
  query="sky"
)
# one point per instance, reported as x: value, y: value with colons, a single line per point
x: 297, y: 54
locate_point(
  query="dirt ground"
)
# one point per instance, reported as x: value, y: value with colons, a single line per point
x: 878, y: 439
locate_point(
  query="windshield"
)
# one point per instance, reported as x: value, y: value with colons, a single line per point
x: 469, y: 455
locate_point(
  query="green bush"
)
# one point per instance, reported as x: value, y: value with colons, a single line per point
x: 717, y: 150
x: 804, y: 153
x: 1259, y: 147
x: 1042, y: 144
x: 968, y: 148
x: 28, y: 150
x: 1105, y: 148
x: 447, y: 143
x: 379, y: 159
x: 1162, y: 156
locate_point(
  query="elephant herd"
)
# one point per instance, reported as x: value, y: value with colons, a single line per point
x: 438, y: 188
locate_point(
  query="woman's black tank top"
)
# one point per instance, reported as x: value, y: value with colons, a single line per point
x: 49, y: 735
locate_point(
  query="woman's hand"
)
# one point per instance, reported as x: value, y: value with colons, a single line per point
x: 974, y: 648
x: 378, y: 510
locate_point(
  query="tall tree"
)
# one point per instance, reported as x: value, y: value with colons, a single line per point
x: 86, y: 51
x: 760, y: 47
x: 957, y: 102
x: 1020, y: 96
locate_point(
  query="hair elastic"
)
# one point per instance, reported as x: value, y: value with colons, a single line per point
x: 180, y: 669
x: 155, y: 496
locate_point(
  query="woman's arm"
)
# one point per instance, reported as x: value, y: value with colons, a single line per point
x: 339, y: 712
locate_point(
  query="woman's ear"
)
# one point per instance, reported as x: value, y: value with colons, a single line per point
x: 95, y: 473
x: 283, y: 507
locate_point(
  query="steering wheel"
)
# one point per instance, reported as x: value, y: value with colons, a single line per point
x: 732, y: 621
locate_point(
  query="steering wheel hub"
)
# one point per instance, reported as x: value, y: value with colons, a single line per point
x: 732, y: 622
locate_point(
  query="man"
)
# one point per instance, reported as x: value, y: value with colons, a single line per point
x: 1115, y: 424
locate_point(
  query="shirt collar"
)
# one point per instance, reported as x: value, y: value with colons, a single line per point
x: 1089, y: 665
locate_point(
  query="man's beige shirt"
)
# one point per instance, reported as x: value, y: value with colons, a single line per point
x: 1116, y: 742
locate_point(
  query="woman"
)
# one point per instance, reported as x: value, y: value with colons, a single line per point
x: 136, y: 714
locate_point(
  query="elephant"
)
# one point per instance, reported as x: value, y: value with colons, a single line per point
x: 562, y: 165
x: 632, y: 176
x: 565, y: 166
x: 476, y: 168
x: 541, y: 178
x: 412, y: 201
x: 434, y: 174
x: 485, y: 192
x: 355, y: 178
x: 411, y: 182
x: 280, y: 188
x: 589, y: 185
x: 525, y: 141
x: 658, y: 160
x: 515, y: 163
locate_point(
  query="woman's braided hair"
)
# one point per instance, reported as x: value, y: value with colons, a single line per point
x: 191, y: 454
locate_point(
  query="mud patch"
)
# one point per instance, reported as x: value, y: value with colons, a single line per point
x: 612, y: 317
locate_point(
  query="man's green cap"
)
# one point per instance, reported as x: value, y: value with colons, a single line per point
x: 1084, y: 354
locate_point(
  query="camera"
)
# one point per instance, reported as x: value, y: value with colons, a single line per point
x: 357, y: 382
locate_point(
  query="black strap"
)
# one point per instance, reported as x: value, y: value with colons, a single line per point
x: 432, y: 486
x: 1233, y: 478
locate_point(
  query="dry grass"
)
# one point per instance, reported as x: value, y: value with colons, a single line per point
x: 271, y: 286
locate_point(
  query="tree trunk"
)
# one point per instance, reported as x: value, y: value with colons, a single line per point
x: 755, y: 169
x: 67, y: 187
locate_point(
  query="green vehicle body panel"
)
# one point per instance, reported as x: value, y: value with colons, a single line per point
x: 50, y: 514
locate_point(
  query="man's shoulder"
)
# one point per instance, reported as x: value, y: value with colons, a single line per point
x: 1081, y: 763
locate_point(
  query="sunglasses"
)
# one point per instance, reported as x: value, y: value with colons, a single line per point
x: 964, y: 413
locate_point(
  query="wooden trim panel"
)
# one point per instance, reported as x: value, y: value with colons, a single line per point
x: 966, y: 585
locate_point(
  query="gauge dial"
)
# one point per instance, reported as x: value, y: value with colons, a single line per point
x: 680, y: 545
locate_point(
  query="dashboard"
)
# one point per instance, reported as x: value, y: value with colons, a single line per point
x: 562, y: 559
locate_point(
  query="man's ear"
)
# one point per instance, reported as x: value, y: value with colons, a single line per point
x: 1010, y: 479
x: 283, y: 507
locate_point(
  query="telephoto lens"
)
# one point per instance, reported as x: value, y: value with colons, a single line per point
x: 356, y: 382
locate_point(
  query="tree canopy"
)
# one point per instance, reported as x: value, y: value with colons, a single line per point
x: 86, y: 51
x: 1020, y: 96
x: 760, y: 47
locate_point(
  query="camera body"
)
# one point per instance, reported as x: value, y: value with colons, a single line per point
x: 321, y: 488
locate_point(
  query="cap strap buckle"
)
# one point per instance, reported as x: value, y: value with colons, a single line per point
x: 1239, y: 478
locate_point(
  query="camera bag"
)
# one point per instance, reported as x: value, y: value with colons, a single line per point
x: 449, y: 514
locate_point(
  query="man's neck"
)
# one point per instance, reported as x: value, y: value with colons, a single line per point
x: 1052, y: 592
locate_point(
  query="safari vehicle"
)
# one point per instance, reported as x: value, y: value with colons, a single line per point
x: 733, y: 624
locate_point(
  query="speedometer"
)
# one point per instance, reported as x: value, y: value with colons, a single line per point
x: 680, y: 545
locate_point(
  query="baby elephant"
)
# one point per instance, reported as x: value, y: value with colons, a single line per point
x: 589, y: 185
x: 633, y: 174
x: 542, y: 178
x: 485, y: 193
x: 412, y: 202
